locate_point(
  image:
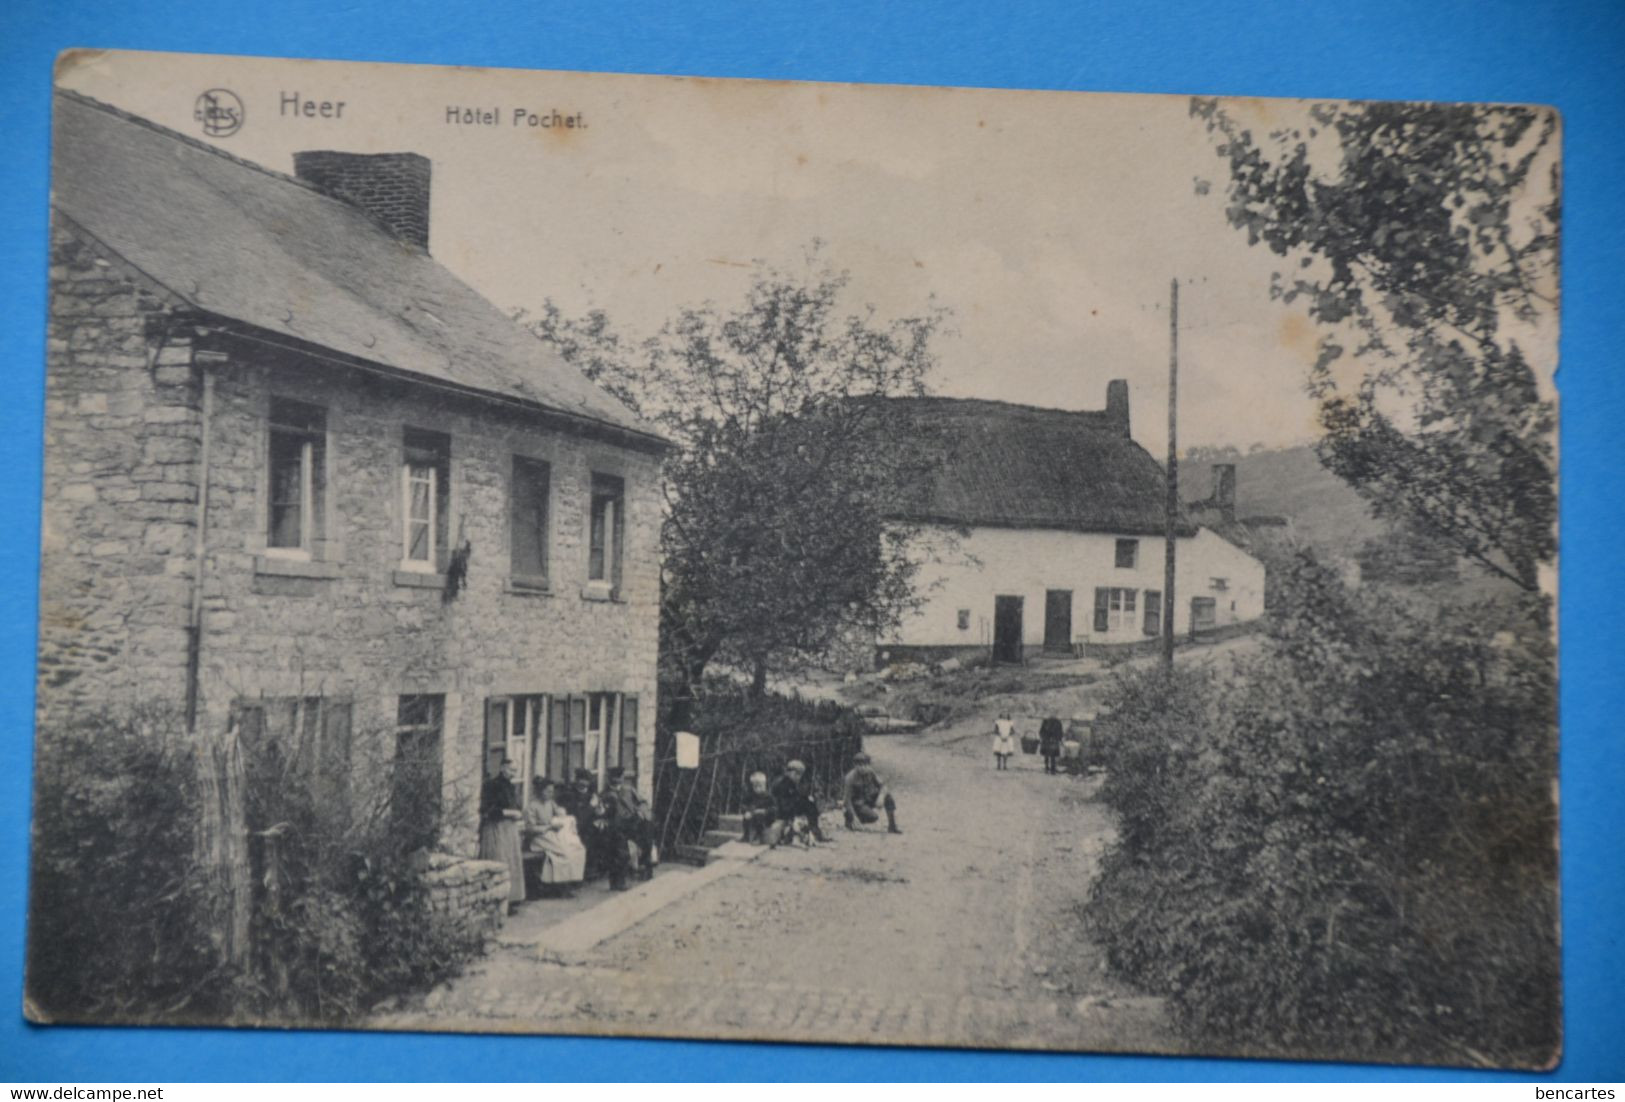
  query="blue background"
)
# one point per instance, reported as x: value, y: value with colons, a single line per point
x: 1569, y: 54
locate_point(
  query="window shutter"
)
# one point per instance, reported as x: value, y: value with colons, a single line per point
x: 333, y: 771
x: 558, y: 740
x: 496, y: 735
x: 250, y: 726
x: 1153, y: 612
x: 578, y: 732
x: 1103, y: 598
x: 629, y: 732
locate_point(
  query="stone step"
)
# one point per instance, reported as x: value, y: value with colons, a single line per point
x: 732, y: 823
x: 713, y: 838
x: 690, y: 854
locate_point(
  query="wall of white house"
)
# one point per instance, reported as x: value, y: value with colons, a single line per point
x: 961, y: 576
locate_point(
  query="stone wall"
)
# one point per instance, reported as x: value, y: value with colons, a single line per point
x: 343, y: 623
x: 469, y: 896
x: 121, y: 440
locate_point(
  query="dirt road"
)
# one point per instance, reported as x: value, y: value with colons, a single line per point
x: 960, y: 931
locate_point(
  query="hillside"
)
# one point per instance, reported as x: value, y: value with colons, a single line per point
x: 1325, y: 512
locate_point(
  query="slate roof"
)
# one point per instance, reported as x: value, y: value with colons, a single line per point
x: 243, y: 243
x: 1003, y: 465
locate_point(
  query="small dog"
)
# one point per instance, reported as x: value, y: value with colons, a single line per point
x: 797, y: 829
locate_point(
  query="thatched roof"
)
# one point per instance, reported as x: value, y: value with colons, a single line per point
x: 246, y: 245
x: 1003, y: 465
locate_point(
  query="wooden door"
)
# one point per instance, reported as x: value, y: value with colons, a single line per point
x: 1058, y: 620
x: 1007, y: 629
x: 1204, y: 614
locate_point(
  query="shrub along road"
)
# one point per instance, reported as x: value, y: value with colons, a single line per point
x: 961, y: 931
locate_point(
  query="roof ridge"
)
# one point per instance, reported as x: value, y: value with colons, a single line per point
x: 186, y: 139
x: 1027, y: 407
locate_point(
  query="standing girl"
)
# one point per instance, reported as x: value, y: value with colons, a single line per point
x: 1004, y: 741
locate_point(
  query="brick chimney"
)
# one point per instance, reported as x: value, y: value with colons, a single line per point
x: 1224, y: 490
x: 1117, y: 403
x: 393, y: 188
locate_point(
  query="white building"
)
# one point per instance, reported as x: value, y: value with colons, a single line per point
x: 1043, y: 530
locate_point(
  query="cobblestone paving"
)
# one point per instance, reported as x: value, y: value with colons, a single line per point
x: 961, y: 931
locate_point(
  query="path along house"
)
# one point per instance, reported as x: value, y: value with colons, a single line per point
x: 1042, y: 530
x: 300, y: 477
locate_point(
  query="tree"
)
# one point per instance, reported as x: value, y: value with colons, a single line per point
x: 1428, y: 233
x: 775, y: 542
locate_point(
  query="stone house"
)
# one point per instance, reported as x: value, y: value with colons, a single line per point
x: 1043, y: 530
x: 301, y: 479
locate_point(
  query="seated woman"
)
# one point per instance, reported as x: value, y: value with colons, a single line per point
x: 551, y: 832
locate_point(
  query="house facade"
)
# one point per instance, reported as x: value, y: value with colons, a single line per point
x: 1043, y: 530
x: 302, y: 482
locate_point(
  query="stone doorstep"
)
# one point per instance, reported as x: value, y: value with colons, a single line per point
x: 569, y: 941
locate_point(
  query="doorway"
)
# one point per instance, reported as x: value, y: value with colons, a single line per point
x: 1007, y: 629
x: 1058, y: 620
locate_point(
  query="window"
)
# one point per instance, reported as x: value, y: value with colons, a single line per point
x: 606, y: 530
x: 1114, y: 609
x: 416, y: 778
x: 1221, y: 584
x: 527, y: 519
x: 304, y: 736
x: 515, y: 728
x: 552, y: 736
x: 1204, y: 613
x: 298, y: 478
x: 1153, y: 612
x: 425, y: 500
x: 964, y: 619
x: 1128, y: 553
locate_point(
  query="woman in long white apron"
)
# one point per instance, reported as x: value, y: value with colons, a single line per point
x: 552, y: 833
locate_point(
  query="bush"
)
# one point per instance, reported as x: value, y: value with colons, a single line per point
x: 116, y: 925
x: 1346, y: 846
x: 122, y: 925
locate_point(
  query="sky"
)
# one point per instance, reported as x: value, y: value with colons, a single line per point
x: 1050, y: 224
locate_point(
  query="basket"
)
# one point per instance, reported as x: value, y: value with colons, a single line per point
x: 1029, y: 744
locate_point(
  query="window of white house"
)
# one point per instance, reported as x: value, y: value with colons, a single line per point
x: 606, y: 530
x: 297, y: 482
x: 1153, y: 612
x: 1114, y: 609
x: 1128, y: 553
x: 1221, y: 584
x: 527, y: 520
x: 964, y: 619
x: 425, y: 500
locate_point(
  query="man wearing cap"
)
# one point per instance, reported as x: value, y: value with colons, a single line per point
x: 628, y: 822
x: 580, y: 801
x: 791, y: 800
x: 864, y: 792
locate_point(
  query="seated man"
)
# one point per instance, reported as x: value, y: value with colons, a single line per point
x: 628, y: 824
x: 864, y: 792
x: 791, y: 802
x: 757, y: 810
x: 581, y: 802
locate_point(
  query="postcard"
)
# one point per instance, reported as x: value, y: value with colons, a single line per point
x: 540, y: 552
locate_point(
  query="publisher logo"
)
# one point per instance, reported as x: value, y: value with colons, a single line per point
x: 219, y: 112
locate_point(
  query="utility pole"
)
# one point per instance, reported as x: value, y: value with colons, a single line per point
x: 1173, y: 478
